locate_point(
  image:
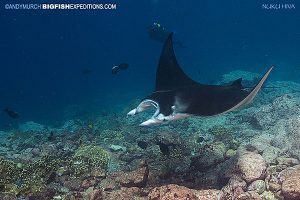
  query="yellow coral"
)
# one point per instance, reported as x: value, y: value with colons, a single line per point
x: 90, y: 156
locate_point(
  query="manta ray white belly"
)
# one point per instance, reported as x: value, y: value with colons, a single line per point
x: 158, y: 117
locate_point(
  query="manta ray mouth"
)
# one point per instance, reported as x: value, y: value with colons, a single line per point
x: 157, y: 117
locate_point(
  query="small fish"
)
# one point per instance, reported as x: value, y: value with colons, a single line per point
x: 117, y: 68
x: 51, y: 137
x: 86, y: 71
x: 164, y: 148
x: 11, y: 113
x: 142, y: 144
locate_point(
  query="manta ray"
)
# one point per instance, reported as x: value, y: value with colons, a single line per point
x: 177, y: 96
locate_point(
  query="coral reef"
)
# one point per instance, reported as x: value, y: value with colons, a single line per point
x: 253, y: 153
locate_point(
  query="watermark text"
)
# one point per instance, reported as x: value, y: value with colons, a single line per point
x: 62, y: 6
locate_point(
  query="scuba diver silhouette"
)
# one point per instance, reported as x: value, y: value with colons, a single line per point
x: 159, y: 33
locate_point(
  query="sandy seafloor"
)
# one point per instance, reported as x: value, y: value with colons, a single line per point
x: 252, y: 153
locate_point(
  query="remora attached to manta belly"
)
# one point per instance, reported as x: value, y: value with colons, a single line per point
x: 177, y: 96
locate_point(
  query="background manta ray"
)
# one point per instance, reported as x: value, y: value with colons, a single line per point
x: 177, y: 96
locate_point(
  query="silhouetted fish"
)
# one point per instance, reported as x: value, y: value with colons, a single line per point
x: 86, y: 71
x: 164, y: 148
x: 11, y: 113
x: 117, y: 68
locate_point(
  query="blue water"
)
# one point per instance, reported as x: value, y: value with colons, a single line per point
x: 43, y: 52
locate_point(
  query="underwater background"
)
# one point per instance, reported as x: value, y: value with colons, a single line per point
x: 73, y: 140
x: 44, y: 51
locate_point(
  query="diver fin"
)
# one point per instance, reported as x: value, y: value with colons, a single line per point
x: 169, y: 74
x: 237, y: 83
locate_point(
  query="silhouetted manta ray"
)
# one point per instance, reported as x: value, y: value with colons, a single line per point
x: 177, y: 96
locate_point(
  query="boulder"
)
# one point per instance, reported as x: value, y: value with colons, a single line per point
x: 209, y: 156
x: 258, y: 186
x: 171, y: 191
x: 137, y: 178
x: 291, y: 186
x: 251, y: 166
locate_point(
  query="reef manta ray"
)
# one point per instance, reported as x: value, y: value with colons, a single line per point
x: 178, y: 96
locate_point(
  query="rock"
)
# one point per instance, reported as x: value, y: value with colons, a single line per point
x: 270, y: 154
x: 288, y: 135
x: 74, y: 196
x: 86, y: 183
x: 228, y: 169
x: 273, y: 186
x: 284, y: 174
x: 117, y: 148
x: 251, y: 166
x: 268, y: 195
x: 98, y: 173
x: 95, y: 195
x: 7, y: 196
x: 108, y: 184
x: 210, y: 194
x: 261, y: 142
x: 73, y: 184
x: 235, y: 182
x: 283, y: 107
x: 35, y: 151
x: 137, y: 178
x: 124, y: 194
x: 251, y: 195
x: 209, y: 156
x: 47, y: 194
x: 57, y: 197
x: 238, y: 192
x: 64, y: 190
x: 168, y: 138
x: 171, y: 191
x: 258, y: 186
x: 291, y: 186
x: 230, y: 153
x: 235, y: 187
x: 227, y: 192
x: 289, y: 162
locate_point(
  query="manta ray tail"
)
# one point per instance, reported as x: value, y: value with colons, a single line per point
x: 253, y: 92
